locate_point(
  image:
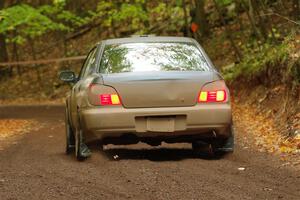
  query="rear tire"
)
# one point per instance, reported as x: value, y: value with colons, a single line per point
x: 70, y: 140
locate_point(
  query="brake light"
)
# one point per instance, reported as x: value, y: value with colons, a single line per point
x: 109, y: 99
x: 213, y: 92
x: 212, y: 96
x: 101, y: 95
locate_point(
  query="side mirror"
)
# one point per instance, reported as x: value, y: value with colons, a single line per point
x: 68, y: 76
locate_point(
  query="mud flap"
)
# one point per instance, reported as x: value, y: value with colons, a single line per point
x: 227, y: 144
x: 70, y: 140
x: 84, y: 151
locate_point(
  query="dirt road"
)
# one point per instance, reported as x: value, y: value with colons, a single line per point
x: 35, y: 167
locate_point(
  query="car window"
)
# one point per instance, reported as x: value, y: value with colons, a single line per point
x: 89, y: 64
x: 156, y: 56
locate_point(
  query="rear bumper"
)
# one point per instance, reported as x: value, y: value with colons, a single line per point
x: 102, y: 122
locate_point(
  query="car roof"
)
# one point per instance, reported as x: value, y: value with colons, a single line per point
x: 138, y: 39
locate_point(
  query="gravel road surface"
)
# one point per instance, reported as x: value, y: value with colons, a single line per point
x: 34, y: 166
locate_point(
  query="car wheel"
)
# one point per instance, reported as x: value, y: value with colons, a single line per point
x: 82, y: 151
x: 70, y: 140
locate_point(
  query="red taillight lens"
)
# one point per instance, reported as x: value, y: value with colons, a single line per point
x: 109, y: 99
x: 213, y: 92
x: 212, y: 96
x: 101, y: 95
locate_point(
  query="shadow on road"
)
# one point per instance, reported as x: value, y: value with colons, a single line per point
x: 157, y: 154
x: 32, y: 111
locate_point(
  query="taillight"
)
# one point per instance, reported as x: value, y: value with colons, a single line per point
x: 109, y: 99
x: 213, y: 92
x: 212, y: 96
x: 100, y: 95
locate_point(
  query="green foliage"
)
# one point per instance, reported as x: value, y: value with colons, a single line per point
x: 224, y: 2
x: 140, y: 16
x: 257, y: 60
x: 24, y: 21
x: 58, y: 14
x: 132, y: 15
x: 170, y: 17
x: 27, y: 22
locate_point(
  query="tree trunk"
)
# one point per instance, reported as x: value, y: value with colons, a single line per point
x: 33, y: 52
x: 251, y: 20
x: 16, y: 53
x: 228, y: 33
x: 200, y: 18
x: 4, y: 71
x: 146, y: 22
x: 267, y: 20
x: 186, y: 23
x: 254, y: 10
x: 237, y: 10
x: 3, y: 49
x: 114, y: 28
x: 296, y: 9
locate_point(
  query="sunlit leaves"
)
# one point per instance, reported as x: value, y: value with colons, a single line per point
x: 170, y: 16
x: 259, y: 57
x: 60, y: 3
x: 139, y: 16
x: 132, y: 15
x: 13, y: 127
x: 261, y: 128
x: 25, y: 21
x: 58, y: 14
x: 224, y: 2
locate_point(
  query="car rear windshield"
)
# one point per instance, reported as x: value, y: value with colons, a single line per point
x: 139, y: 57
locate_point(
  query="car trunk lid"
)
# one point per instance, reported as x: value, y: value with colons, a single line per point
x: 158, y: 89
